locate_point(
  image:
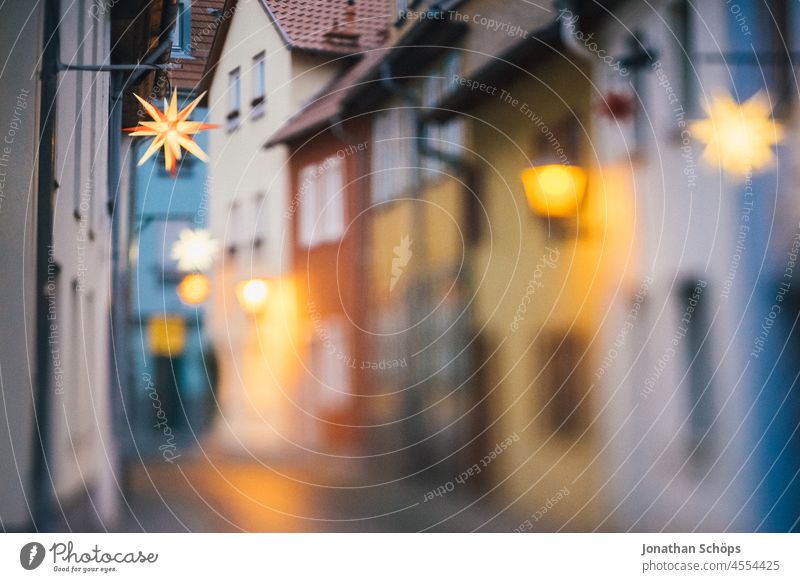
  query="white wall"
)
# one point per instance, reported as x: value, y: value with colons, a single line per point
x: 240, y: 170
x: 681, y: 233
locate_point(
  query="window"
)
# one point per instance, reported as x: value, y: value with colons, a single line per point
x: 781, y: 32
x: 392, y: 134
x: 447, y: 137
x: 566, y: 404
x: 260, y: 222
x: 259, y: 84
x: 77, y: 145
x: 401, y: 7
x: 168, y: 233
x: 182, y: 30
x: 234, y: 98
x: 328, y: 366
x: 684, y: 47
x: 232, y: 227
x: 321, y: 203
x: 699, y: 367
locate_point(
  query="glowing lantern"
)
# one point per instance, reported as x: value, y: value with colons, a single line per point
x: 739, y: 137
x: 172, y: 130
x: 252, y: 295
x: 554, y: 190
x: 194, y: 288
x: 194, y: 250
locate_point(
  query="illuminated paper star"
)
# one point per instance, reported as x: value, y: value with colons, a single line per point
x: 194, y: 250
x: 172, y: 130
x: 739, y: 137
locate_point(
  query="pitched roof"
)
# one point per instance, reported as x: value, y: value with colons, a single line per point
x: 207, y: 17
x: 334, y: 98
x: 328, y: 102
x: 331, y: 26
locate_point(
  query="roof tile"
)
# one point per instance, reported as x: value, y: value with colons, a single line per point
x: 333, y: 26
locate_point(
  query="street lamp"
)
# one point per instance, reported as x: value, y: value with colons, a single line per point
x: 252, y: 295
x: 554, y: 190
x: 194, y: 288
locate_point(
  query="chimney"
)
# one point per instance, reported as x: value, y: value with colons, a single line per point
x: 344, y: 33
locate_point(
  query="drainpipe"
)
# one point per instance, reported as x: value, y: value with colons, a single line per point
x: 566, y: 35
x: 42, y: 483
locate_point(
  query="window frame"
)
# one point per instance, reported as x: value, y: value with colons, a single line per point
x: 259, y: 87
x: 699, y: 377
x: 322, y: 203
x: 182, y: 31
x: 234, y: 104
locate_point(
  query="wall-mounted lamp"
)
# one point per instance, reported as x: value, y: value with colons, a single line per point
x: 252, y: 295
x: 554, y: 190
x: 194, y: 289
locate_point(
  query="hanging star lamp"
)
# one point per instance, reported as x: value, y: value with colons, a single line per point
x: 739, y: 137
x: 194, y: 250
x: 171, y: 130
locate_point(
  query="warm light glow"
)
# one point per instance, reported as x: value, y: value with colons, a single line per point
x: 170, y: 130
x: 166, y: 335
x: 739, y: 138
x: 194, y: 289
x: 554, y: 190
x: 194, y: 250
x: 252, y: 295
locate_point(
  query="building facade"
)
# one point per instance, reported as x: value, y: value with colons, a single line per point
x: 267, y: 63
x: 64, y: 150
x: 702, y: 424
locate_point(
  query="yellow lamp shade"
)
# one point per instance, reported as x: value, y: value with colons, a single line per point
x: 252, y: 295
x: 194, y: 289
x: 554, y: 190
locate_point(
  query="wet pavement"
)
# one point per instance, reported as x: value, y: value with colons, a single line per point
x: 203, y: 492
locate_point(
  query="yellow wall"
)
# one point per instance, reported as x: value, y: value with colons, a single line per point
x: 573, y: 288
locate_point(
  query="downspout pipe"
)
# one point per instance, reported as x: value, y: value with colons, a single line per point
x: 567, y: 36
x: 42, y: 483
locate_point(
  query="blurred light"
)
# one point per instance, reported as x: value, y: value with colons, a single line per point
x: 252, y: 295
x: 739, y: 137
x: 554, y: 190
x: 166, y: 335
x: 194, y: 288
x: 194, y: 250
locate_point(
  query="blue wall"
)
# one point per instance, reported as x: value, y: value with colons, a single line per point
x: 164, y: 205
